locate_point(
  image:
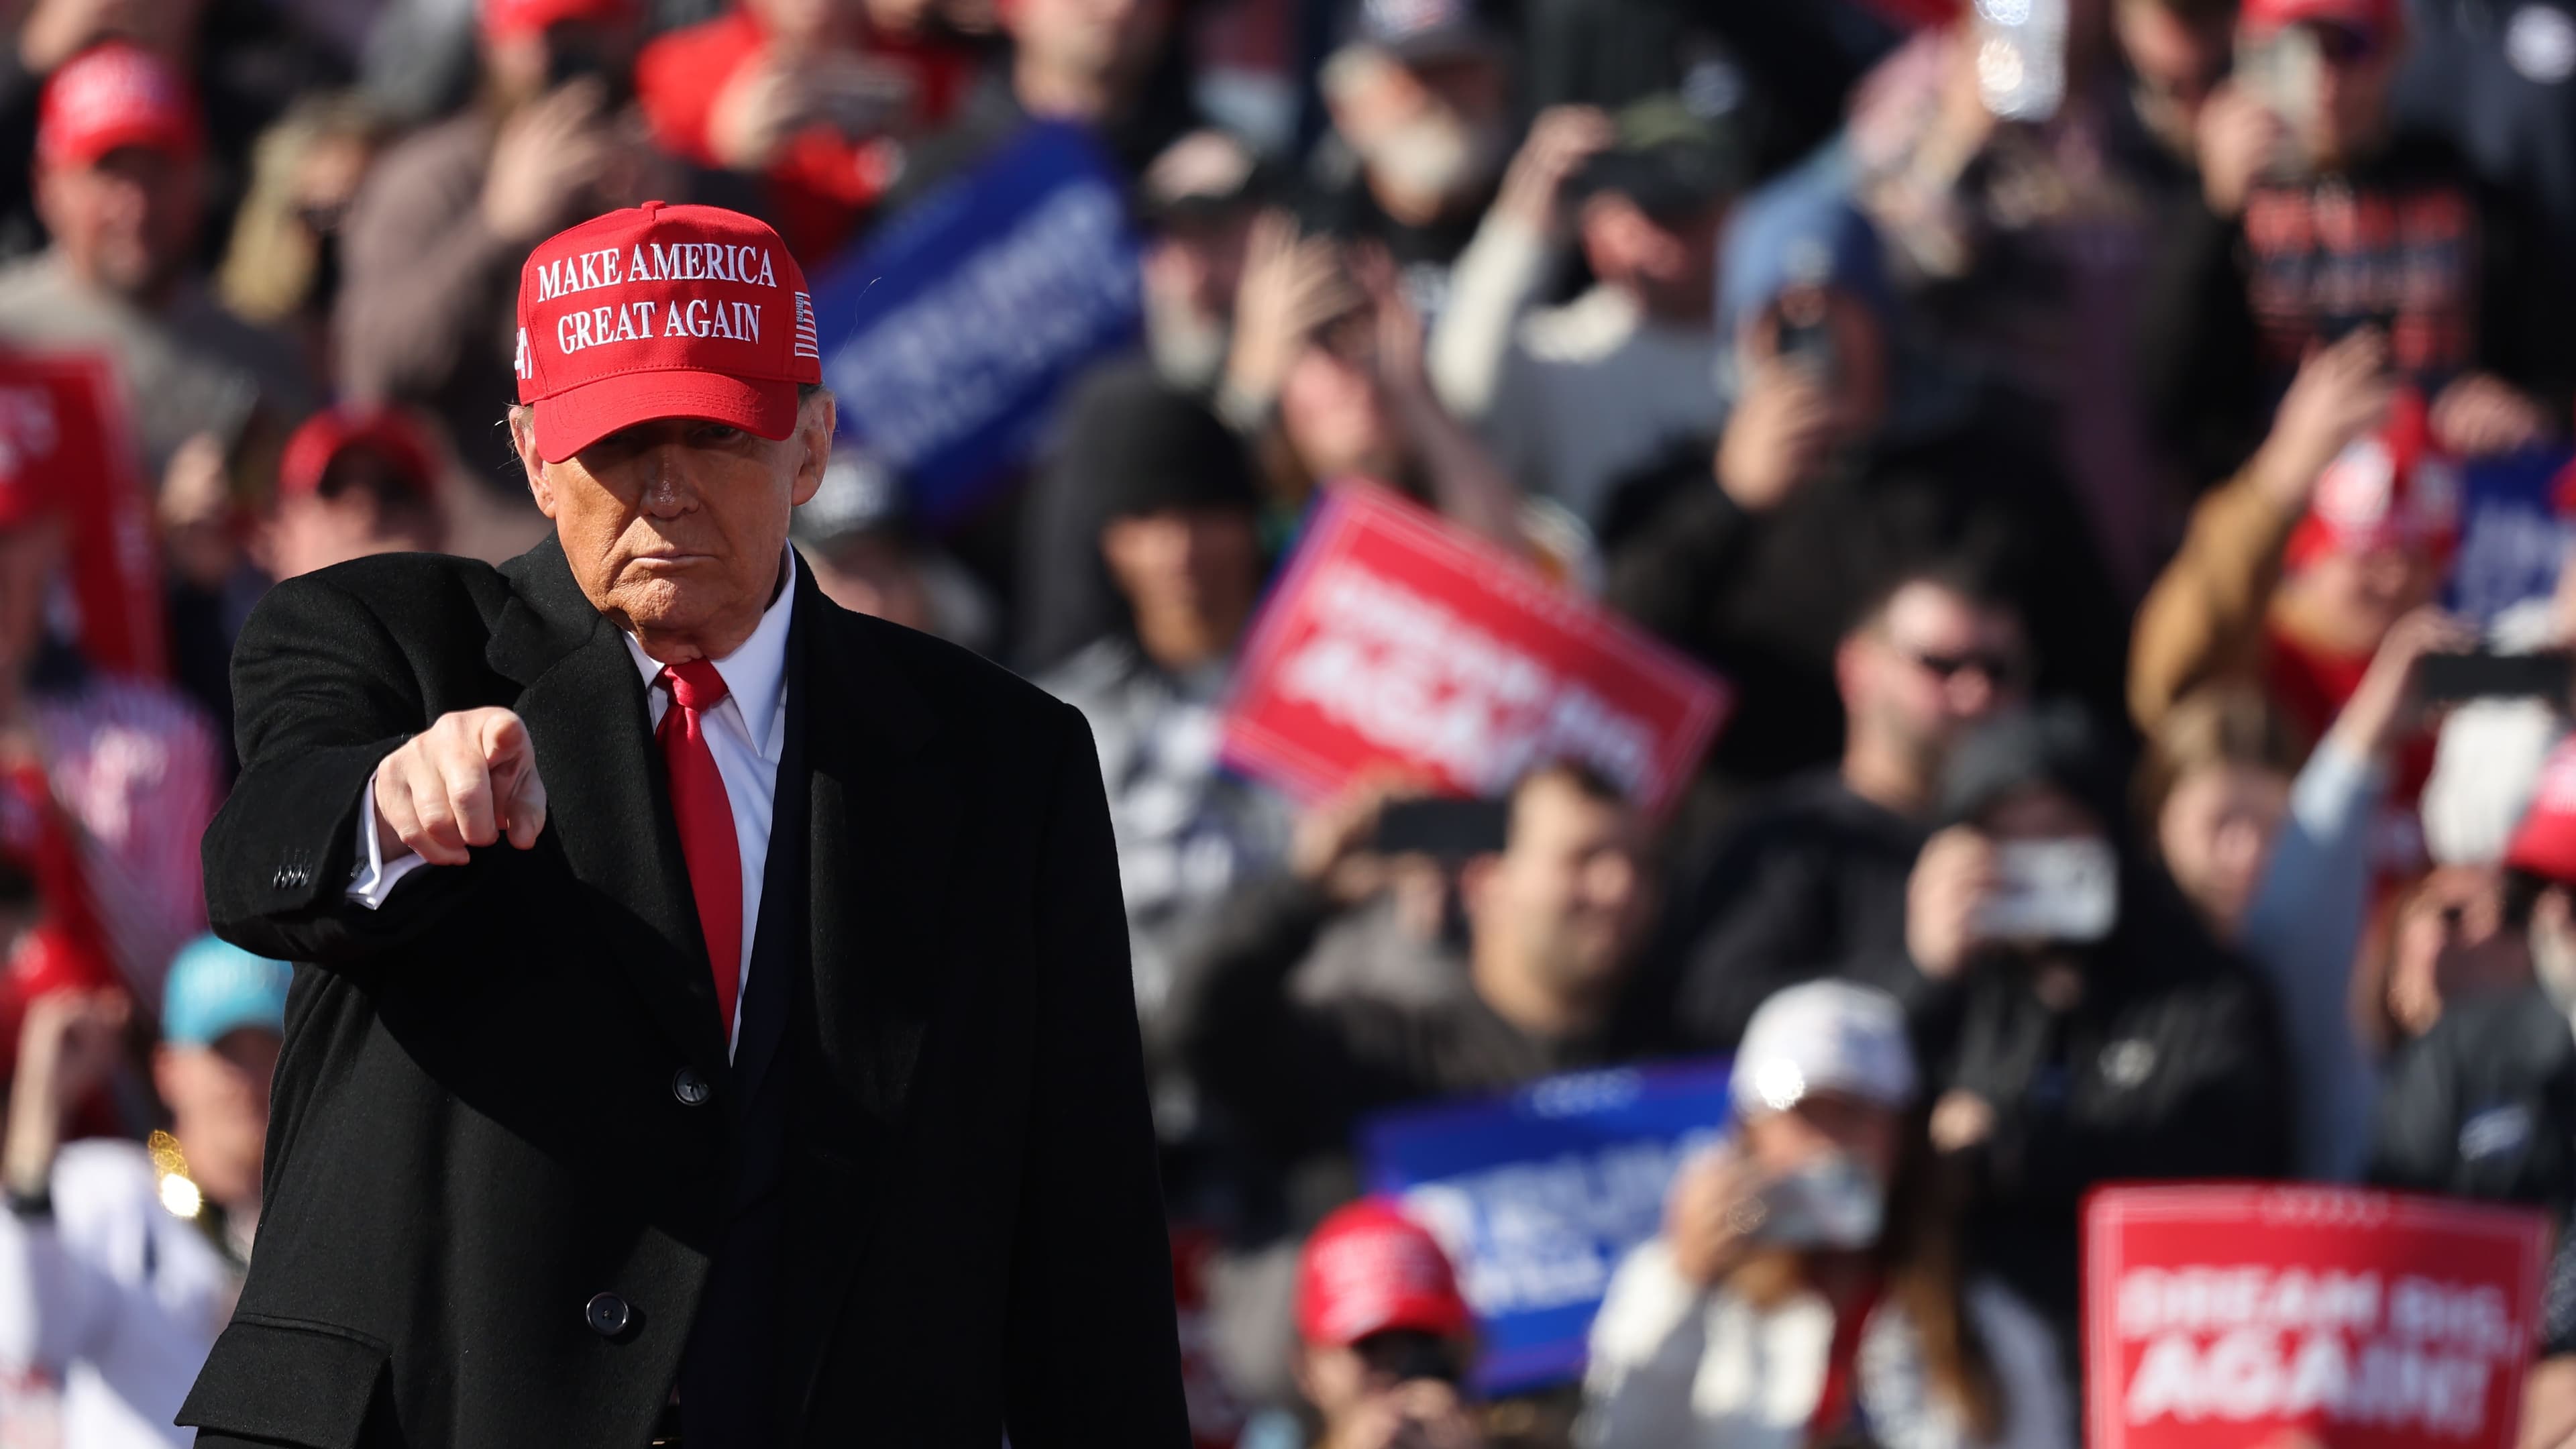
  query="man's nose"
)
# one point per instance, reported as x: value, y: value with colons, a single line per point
x: 668, y: 491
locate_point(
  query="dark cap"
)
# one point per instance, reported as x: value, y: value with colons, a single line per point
x: 1669, y: 159
x: 2054, y: 745
x: 1135, y: 444
x: 1422, y: 31
x: 859, y: 495
x: 1203, y: 175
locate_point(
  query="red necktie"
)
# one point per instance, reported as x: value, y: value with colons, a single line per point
x: 705, y: 817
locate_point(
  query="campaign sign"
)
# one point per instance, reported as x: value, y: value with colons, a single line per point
x: 1397, y: 639
x: 2217, y: 1317
x: 947, y: 336
x: 63, y: 432
x: 2513, y: 532
x: 1538, y: 1195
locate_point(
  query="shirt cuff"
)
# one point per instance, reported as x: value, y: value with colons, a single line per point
x: 375, y: 877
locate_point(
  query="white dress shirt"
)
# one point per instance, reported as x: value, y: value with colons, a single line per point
x: 755, y: 677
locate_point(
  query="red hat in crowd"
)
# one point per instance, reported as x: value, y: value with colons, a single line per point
x: 328, y: 434
x: 506, y: 18
x: 2391, y: 490
x: 2545, y: 842
x: 113, y: 95
x: 662, y: 311
x: 1370, y: 1269
x: 2378, y: 19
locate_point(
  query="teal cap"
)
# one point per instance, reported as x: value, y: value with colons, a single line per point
x: 216, y: 987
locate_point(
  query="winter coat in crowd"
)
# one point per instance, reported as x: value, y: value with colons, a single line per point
x: 2158, y: 1056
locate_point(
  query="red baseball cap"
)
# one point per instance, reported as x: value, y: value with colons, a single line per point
x: 2390, y: 490
x: 111, y: 95
x: 2545, y: 842
x: 2378, y: 19
x: 1370, y: 1269
x: 662, y: 311
x: 530, y: 17
x: 329, y: 433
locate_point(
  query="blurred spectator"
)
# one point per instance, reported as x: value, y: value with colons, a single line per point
x: 866, y: 555
x: 1807, y: 1282
x: 1229, y: 290
x: 2296, y: 570
x: 129, y: 761
x: 247, y: 60
x: 2493, y: 76
x: 2276, y: 858
x: 282, y: 268
x: 1810, y: 880
x: 120, y: 171
x: 1553, y: 919
x: 1778, y: 73
x: 352, y: 484
x: 120, y: 1263
x: 1574, y: 398
x: 1384, y: 1337
x: 2323, y: 214
x: 1108, y: 65
x: 1419, y: 100
x: 434, y: 241
x: 1356, y: 401
x: 2103, y: 1034
x: 816, y: 97
x: 2483, y: 1104
x: 1176, y: 533
x: 1829, y: 479
x: 2016, y: 205
x: 2178, y: 54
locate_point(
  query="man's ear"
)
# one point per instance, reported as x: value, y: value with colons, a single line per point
x: 523, y: 440
x: 1476, y: 876
x: 815, y: 422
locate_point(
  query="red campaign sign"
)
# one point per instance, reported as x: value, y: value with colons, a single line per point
x: 63, y: 429
x: 1394, y: 638
x: 2219, y: 1317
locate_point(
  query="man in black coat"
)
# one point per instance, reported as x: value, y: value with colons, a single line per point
x: 714, y: 1025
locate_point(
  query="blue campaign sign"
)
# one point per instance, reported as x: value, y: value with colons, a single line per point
x: 948, y: 336
x: 1538, y: 1195
x: 2512, y: 534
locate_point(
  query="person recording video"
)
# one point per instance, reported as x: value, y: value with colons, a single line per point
x: 2103, y: 1033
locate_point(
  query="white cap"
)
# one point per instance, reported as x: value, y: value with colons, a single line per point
x: 1823, y: 1036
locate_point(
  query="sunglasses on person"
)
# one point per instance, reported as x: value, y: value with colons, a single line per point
x: 2342, y: 45
x: 1404, y: 1355
x: 1998, y: 669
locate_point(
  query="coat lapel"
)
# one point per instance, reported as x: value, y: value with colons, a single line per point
x: 882, y: 826
x: 606, y: 803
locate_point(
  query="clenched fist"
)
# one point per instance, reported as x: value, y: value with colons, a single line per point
x: 467, y: 780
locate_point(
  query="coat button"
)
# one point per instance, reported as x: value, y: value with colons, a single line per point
x: 607, y: 1314
x: 689, y: 1088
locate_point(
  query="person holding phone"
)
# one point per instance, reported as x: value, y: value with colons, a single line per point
x: 2299, y: 155
x: 2103, y: 1034
x: 1806, y: 1289
x: 1384, y: 1337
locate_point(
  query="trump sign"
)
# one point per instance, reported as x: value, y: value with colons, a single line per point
x: 2222, y: 1316
x: 1396, y: 640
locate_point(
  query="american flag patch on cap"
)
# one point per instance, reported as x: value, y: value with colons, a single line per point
x: 806, y: 344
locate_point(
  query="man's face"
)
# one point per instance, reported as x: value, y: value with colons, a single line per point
x: 674, y: 527
x: 2352, y: 91
x: 1332, y: 410
x: 1433, y: 128
x: 2359, y: 596
x: 1397, y: 1379
x: 218, y: 1099
x: 2177, y: 60
x: 126, y: 222
x: 1935, y: 665
x: 1568, y: 893
x: 1202, y: 563
x: 1670, y: 261
x: 1099, y: 39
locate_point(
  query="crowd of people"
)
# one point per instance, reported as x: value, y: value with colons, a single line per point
x: 2143, y: 759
